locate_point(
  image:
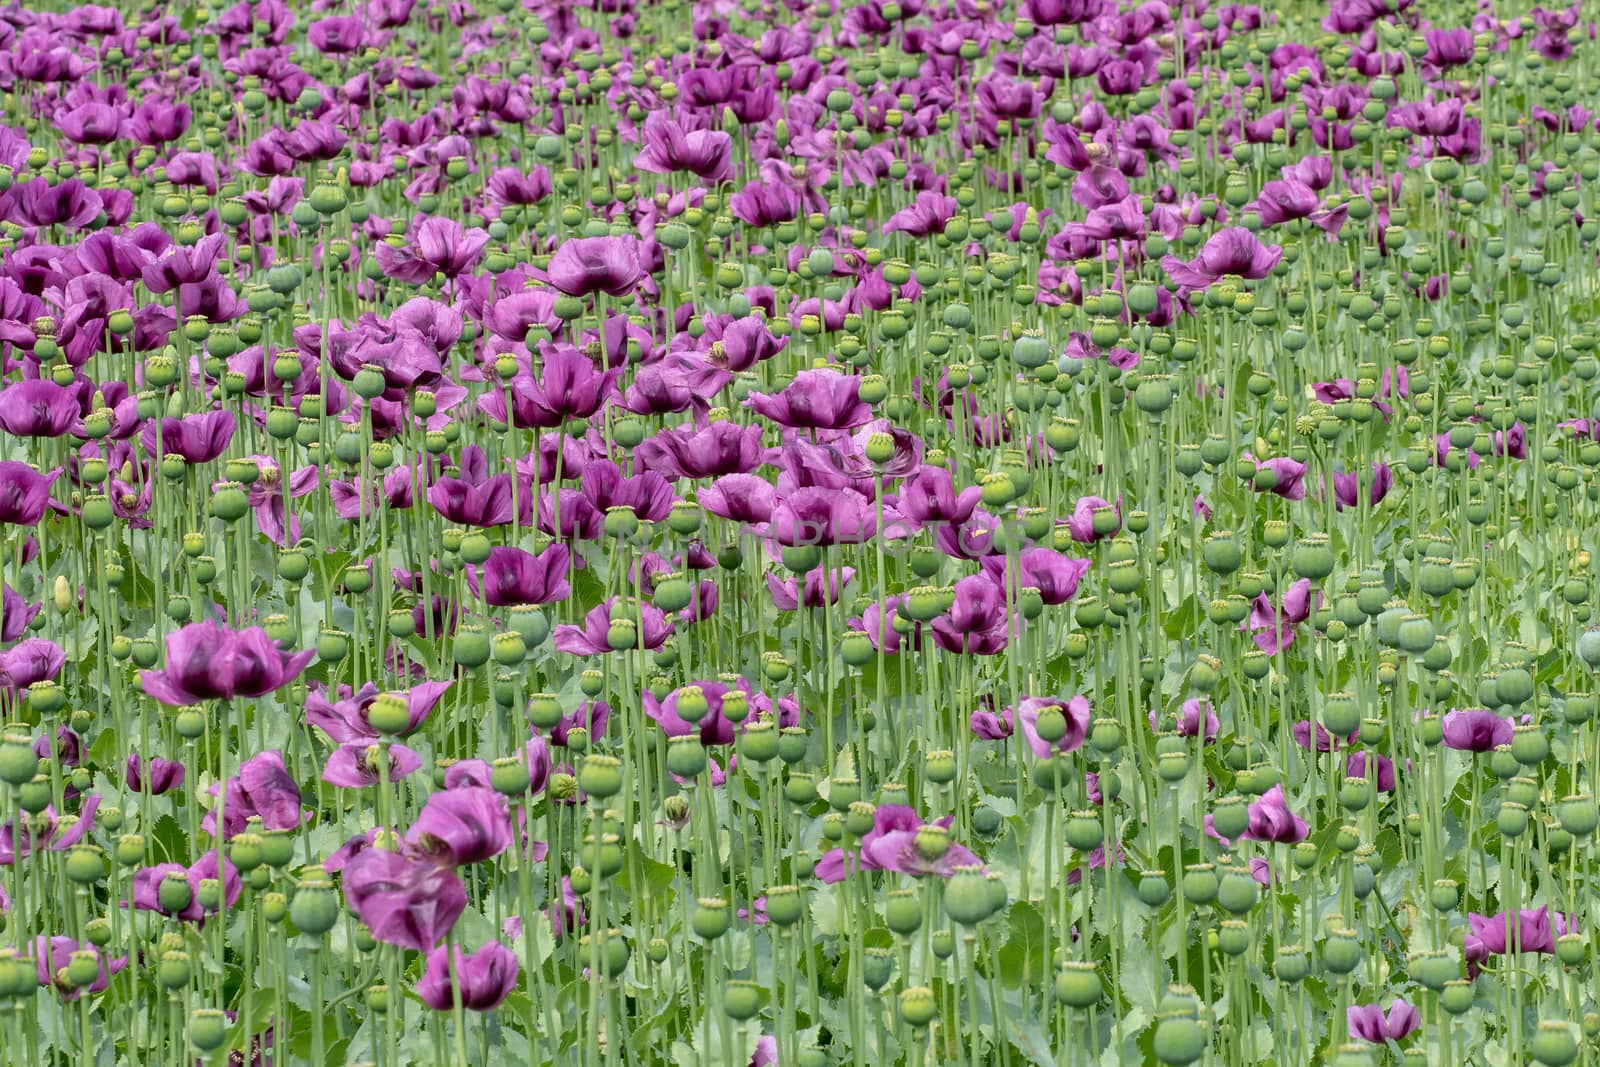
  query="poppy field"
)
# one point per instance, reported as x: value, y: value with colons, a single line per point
x: 799, y: 532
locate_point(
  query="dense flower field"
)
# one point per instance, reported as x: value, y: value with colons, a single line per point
x: 799, y: 532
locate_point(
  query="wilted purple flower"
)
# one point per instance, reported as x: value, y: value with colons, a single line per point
x: 1476, y: 730
x: 458, y: 827
x: 208, y: 661
x: 1230, y: 252
x: 404, y: 900
x: 484, y: 978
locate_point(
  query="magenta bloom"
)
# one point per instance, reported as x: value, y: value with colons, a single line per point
x: 668, y: 147
x: 24, y: 493
x: 1195, y: 716
x: 1476, y: 730
x: 821, y: 399
x: 593, y: 637
x: 514, y: 576
x: 741, y: 498
x: 1291, y: 477
x: 18, y: 613
x: 51, y: 956
x: 570, y: 386
x: 1080, y: 524
x: 198, y: 438
x: 1273, y: 627
x: 1075, y: 710
x: 346, y: 721
x: 37, y: 407
x: 164, y: 775
x: 404, y: 900
x: 713, y: 727
x: 822, y: 517
x: 438, y: 246
x: 1368, y: 1021
x: 147, y: 885
x: 1231, y: 252
x: 1492, y: 935
x: 586, y: 265
x: 1369, y: 764
x: 929, y: 496
x: 1054, y: 575
x: 789, y: 595
x: 263, y: 789
x: 458, y: 827
x: 358, y: 764
x: 47, y: 831
x: 926, y: 216
x: 1347, y: 487
x: 1271, y: 819
x: 484, y: 978
x: 702, y: 452
x: 977, y: 621
x: 891, y: 845
x: 208, y: 661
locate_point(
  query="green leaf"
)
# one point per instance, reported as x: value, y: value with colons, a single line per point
x: 1022, y: 958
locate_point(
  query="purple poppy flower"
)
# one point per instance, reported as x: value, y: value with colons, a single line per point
x: 711, y: 725
x: 1075, y: 710
x: 37, y: 408
x: 821, y: 399
x: 483, y: 504
x: 586, y: 265
x: 1492, y: 935
x: 926, y: 216
x: 878, y: 622
x: 1195, y: 715
x: 1230, y: 252
x: 702, y: 451
x: 438, y: 245
x: 822, y: 517
x: 1290, y: 476
x: 24, y: 493
x: 977, y: 621
x: 668, y: 147
x: 1347, y: 487
x: 346, y: 720
x: 264, y: 789
x: 52, y: 955
x: 1368, y: 1021
x: 592, y: 638
x: 458, y: 827
x: 48, y: 831
x: 570, y: 386
x: 484, y: 978
x: 513, y: 576
x: 404, y: 900
x: 208, y: 661
x: 1080, y: 524
x: 892, y: 845
x: 198, y: 438
x: 1371, y: 765
x: 787, y: 594
x: 1476, y: 730
x: 1271, y: 819
x: 17, y: 613
x: 178, y: 265
x: 164, y: 775
x: 929, y: 497
x: 741, y: 498
x: 358, y: 764
x: 1273, y: 627
x: 1055, y: 576
x: 30, y: 661
x: 765, y: 204
x: 147, y: 886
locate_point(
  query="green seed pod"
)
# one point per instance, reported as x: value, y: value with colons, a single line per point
x: 1078, y: 985
x: 1179, y: 1040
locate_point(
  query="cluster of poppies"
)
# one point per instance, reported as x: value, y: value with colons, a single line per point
x: 812, y: 532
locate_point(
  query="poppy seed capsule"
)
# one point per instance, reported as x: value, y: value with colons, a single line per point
x: 918, y: 1006
x: 1554, y: 1044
